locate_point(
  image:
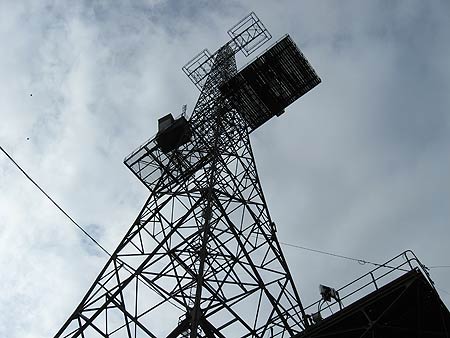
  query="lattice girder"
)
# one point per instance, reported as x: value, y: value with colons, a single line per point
x: 202, y: 258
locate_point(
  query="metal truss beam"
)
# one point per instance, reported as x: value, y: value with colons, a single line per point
x: 202, y: 258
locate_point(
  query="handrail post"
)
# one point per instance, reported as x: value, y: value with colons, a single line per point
x: 374, y: 280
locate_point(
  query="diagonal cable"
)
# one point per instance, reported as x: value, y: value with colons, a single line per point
x: 56, y: 204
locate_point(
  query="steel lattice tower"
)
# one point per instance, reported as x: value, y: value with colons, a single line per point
x: 202, y: 258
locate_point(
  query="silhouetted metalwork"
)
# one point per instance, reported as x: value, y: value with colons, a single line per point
x: 397, y: 299
x: 202, y: 258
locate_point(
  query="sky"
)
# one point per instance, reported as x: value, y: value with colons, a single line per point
x: 359, y: 166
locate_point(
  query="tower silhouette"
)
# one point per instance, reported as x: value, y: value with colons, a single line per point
x: 202, y: 258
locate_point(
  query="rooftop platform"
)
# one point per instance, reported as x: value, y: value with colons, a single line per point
x: 408, y: 306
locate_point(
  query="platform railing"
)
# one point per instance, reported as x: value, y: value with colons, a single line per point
x: 367, y: 283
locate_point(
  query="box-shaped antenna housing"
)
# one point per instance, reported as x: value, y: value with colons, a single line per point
x: 172, y: 133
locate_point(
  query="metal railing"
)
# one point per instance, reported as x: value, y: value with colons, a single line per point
x: 369, y: 282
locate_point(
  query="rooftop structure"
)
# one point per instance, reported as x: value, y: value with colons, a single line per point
x: 396, y: 299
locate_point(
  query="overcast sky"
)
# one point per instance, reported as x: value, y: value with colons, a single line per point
x: 359, y: 166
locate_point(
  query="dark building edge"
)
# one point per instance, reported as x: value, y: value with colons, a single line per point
x: 406, y: 307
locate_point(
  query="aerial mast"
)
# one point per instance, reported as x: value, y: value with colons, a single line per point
x: 203, y: 253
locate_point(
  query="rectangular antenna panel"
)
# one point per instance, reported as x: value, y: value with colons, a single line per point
x: 270, y: 83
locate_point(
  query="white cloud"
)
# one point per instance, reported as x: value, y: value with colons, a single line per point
x: 363, y: 157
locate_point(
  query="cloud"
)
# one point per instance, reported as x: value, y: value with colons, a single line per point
x: 363, y: 158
